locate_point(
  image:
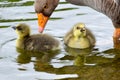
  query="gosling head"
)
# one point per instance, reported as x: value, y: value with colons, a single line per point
x: 22, y: 30
x: 79, y: 30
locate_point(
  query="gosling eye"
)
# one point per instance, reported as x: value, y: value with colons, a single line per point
x: 19, y: 28
x: 78, y: 27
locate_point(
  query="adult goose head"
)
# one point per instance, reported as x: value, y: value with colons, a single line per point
x: 44, y: 8
x: 110, y: 8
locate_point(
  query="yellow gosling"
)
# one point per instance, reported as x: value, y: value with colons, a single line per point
x: 36, y: 42
x: 79, y: 37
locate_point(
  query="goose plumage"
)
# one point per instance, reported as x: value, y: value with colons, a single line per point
x: 35, y: 42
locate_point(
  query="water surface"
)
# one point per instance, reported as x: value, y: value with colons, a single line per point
x: 72, y: 64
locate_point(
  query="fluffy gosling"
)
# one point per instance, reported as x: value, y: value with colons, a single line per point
x: 36, y: 42
x: 79, y: 37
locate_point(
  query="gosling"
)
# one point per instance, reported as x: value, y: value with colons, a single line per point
x: 79, y: 37
x: 36, y: 42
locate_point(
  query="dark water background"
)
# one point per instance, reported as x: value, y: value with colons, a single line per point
x: 67, y: 64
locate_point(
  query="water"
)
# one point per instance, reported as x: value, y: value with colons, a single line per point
x: 100, y: 64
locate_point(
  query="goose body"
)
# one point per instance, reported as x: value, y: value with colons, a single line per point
x: 36, y: 42
x: 110, y: 8
x: 79, y: 37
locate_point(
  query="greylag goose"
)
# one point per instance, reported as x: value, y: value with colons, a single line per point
x: 79, y: 37
x: 110, y: 8
x: 36, y: 42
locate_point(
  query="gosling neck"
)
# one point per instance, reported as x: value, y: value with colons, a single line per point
x: 77, y: 37
x: 23, y: 36
x: 27, y: 36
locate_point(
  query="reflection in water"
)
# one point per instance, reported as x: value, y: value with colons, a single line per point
x: 79, y: 55
x: 103, y: 70
x: 43, y: 57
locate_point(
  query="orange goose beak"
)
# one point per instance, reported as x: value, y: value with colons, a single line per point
x: 42, y: 20
x: 44, y: 9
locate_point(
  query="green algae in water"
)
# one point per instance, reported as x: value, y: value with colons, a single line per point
x: 81, y: 14
x: 4, y: 26
x: 10, y: 0
x: 1, y: 57
x: 11, y: 4
x: 63, y: 3
x: 16, y: 20
x: 65, y: 9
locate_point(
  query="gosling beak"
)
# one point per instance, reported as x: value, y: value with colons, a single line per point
x: 82, y: 30
x: 42, y: 20
x: 14, y: 27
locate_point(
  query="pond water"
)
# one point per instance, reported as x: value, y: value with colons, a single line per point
x: 67, y: 64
